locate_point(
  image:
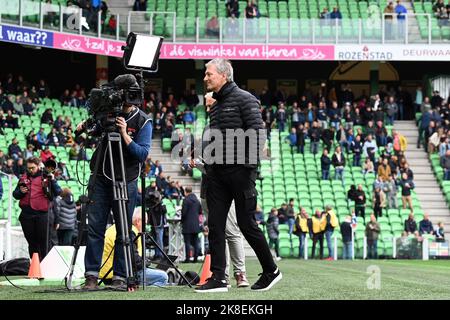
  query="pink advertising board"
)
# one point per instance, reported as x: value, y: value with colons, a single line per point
x: 200, y: 51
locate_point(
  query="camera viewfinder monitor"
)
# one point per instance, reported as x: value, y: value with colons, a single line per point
x: 142, y: 52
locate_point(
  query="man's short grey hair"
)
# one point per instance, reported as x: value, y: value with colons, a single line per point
x: 223, y: 67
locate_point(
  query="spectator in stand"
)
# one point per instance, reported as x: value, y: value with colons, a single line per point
x: 357, y: 148
x: 407, y: 170
x: 140, y: 5
x: 314, y: 135
x: 370, y: 148
x: 401, y: 12
x: 379, y: 202
x: 69, y: 140
x: 372, y: 232
x: 444, y: 146
x: 73, y: 152
x: 192, y: 99
x: 389, y: 12
x: 8, y: 104
x: 391, y: 108
x: 324, y: 14
x: 368, y: 167
x: 341, y: 138
x: 28, y: 107
x: 62, y: 171
x: 273, y: 231
x: 18, y: 106
x: 407, y: 185
x: 390, y: 189
x: 318, y: 227
x: 325, y: 163
x: 65, y: 217
x: 29, y: 152
x: 3, y: 158
x: 439, y: 232
x: 282, y: 214
x: 424, y: 125
x: 445, y: 163
x: 65, y: 98
x: 346, y: 231
x: 328, y: 137
x: 11, y: 121
x: 19, y: 168
x: 384, y: 170
x: 251, y: 10
x: 360, y: 203
x: 399, y: 142
x: 425, y: 226
x: 46, y: 154
x: 381, y: 134
x: 52, y: 138
x: 259, y: 216
x: 411, y: 225
x: 418, y: 99
x: 190, y: 213
x: 301, y: 135
x: 232, y: 8
x: 338, y: 161
x: 281, y: 117
x: 331, y: 223
x: 335, y: 14
x: 14, y: 150
x: 268, y: 117
x: 155, y: 169
x: 41, y: 138
x: 292, y: 138
x: 47, y: 117
x: 43, y: 90
x: 8, y: 168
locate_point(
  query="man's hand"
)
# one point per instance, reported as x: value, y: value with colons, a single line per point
x: 23, y: 189
x: 192, y: 164
x: 122, y: 125
x: 80, y: 126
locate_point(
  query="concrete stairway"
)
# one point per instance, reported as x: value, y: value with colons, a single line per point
x: 427, y: 187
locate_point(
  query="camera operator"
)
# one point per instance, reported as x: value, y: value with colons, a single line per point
x: 35, y: 190
x: 156, y: 215
x: 135, y: 128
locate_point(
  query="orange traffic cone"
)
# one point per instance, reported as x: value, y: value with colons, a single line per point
x: 206, y: 271
x: 35, y: 267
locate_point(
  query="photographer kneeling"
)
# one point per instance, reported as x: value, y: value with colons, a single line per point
x: 135, y: 129
x: 35, y: 190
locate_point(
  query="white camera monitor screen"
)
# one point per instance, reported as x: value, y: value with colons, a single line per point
x: 145, y: 52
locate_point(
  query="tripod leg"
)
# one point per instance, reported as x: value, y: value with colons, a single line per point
x: 170, y: 261
x: 121, y: 196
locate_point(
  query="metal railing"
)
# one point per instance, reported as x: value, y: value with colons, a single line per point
x: 378, y: 28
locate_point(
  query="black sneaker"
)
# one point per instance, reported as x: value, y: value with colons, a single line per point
x: 267, y: 280
x: 213, y: 285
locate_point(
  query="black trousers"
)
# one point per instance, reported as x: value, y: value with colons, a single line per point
x: 224, y: 185
x: 317, y: 237
x: 34, y: 226
x: 191, y: 241
x: 360, y: 211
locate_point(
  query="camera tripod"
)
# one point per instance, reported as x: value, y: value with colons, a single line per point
x: 120, y: 195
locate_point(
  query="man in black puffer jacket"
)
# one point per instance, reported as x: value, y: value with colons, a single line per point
x: 231, y: 170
